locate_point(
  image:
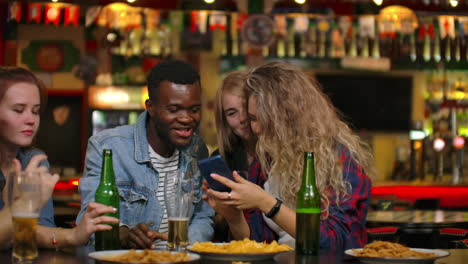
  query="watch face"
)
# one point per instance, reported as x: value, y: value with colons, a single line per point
x: 258, y: 30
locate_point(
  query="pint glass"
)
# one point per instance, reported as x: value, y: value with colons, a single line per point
x: 178, y: 196
x: 25, y: 204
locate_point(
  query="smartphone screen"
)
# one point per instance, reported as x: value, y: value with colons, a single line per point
x: 215, y: 164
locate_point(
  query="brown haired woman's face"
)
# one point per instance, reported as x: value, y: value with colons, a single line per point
x: 19, y: 114
x: 252, y: 109
x: 235, y: 112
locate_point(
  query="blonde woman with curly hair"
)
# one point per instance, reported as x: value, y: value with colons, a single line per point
x: 290, y: 114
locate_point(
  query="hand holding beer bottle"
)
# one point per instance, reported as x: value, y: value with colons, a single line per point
x: 308, y: 211
x: 108, y: 194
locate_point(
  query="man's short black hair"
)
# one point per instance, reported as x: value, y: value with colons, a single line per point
x: 175, y: 71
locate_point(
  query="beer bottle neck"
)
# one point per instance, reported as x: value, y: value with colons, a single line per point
x: 308, y: 175
x: 107, y: 173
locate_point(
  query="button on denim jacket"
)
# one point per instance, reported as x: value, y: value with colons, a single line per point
x: 137, y: 180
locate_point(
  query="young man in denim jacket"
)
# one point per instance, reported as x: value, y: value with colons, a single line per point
x: 168, y: 128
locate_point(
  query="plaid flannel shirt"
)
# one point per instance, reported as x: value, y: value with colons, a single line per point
x: 345, y: 226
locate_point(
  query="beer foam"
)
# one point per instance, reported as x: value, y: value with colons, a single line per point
x: 178, y: 218
x: 26, y: 215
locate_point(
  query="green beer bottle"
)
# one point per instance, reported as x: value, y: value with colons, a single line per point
x: 108, y: 194
x: 308, y: 211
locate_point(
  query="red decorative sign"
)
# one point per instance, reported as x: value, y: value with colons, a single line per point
x: 15, y: 12
x: 72, y: 15
x: 35, y: 12
x: 52, y: 14
x: 49, y: 57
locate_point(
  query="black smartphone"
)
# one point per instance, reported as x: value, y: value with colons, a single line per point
x: 215, y: 164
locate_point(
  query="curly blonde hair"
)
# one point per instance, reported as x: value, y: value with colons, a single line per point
x: 296, y: 116
x: 233, y: 83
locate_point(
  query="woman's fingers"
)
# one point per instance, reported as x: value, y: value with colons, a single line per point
x: 104, y: 219
x: 218, y: 195
x: 102, y: 227
x: 17, y: 165
x: 95, y: 209
x: 35, y: 161
x: 41, y: 170
x: 230, y: 184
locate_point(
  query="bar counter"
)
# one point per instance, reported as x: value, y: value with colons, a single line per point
x: 79, y: 256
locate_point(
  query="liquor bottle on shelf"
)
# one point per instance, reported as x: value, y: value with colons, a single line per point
x: 447, y: 48
x: 312, y: 40
x: 281, y: 48
x: 436, y: 56
x: 413, y: 54
x: 302, y: 45
x: 376, y: 43
x: 457, y: 41
x: 365, y: 46
x: 352, y: 52
x: 426, y: 50
x: 290, y: 40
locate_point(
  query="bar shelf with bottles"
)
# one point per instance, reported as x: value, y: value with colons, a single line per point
x: 380, y: 42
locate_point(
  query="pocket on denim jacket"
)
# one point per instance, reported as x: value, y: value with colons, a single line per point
x: 133, y: 204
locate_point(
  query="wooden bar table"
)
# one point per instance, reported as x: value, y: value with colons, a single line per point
x: 80, y: 256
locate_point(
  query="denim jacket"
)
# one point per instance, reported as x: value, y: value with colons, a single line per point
x: 137, y: 180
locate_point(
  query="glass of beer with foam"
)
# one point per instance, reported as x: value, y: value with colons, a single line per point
x: 24, y: 190
x: 178, y: 196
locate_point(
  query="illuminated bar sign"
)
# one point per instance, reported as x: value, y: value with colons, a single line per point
x: 117, y: 97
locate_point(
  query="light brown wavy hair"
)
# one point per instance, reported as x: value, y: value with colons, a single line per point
x: 12, y: 75
x: 296, y: 116
x: 233, y: 83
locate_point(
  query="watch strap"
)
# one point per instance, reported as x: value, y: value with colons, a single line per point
x: 275, y: 209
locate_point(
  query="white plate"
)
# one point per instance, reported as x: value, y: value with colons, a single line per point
x: 234, y: 256
x: 411, y: 260
x: 104, y: 255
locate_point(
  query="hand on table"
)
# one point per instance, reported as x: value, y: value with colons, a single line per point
x: 140, y: 236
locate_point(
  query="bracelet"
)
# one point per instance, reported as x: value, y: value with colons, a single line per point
x: 275, y: 209
x: 54, y: 241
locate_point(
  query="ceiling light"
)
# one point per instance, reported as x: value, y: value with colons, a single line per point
x: 131, y: 1
x: 300, y: 1
x: 453, y: 3
x: 378, y: 2
x: 209, y: 1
